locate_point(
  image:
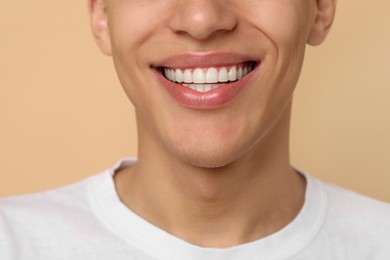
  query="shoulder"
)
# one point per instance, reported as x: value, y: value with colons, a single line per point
x: 355, y: 206
x: 71, y: 202
x: 70, y: 195
x: 353, y: 226
x: 24, y: 213
x: 44, y: 222
x: 357, y: 220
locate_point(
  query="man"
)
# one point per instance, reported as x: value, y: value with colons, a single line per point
x: 212, y: 84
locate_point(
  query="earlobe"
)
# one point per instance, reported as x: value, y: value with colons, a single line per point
x: 326, y: 10
x: 99, y: 25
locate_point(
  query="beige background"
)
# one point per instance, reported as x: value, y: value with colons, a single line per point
x: 63, y: 115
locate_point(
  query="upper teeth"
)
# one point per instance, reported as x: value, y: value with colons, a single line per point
x: 208, y: 75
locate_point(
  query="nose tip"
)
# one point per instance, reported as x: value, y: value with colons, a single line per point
x: 202, y: 18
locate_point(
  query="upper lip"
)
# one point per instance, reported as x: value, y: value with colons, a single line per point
x: 204, y: 59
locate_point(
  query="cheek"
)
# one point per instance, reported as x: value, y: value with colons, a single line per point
x: 284, y: 22
x: 284, y: 26
x: 126, y: 33
x: 132, y: 26
x: 133, y: 22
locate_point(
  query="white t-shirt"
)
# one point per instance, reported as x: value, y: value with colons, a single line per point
x: 87, y: 221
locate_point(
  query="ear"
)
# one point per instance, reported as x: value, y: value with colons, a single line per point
x: 323, y: 21
x: 99, y: 24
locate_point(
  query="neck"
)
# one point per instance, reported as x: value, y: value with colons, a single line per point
x: 252, y: 197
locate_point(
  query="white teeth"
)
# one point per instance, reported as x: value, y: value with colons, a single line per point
x: 203, y: 80
x: 173, y: 76
x: 168, y: 74
x: 208, y: 87
x: 233, y: 74
x: 212, y: 75
x: 199, y: 76
x: 239, y: 73
x: 223, y: 75
x: 202, y: 87
x: 179, y: 75
x: 187, y: 76
x: 245, y: 71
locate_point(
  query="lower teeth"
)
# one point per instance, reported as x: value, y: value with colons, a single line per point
x: 202, y: 87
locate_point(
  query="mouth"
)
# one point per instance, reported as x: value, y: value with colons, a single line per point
x: 210, y: 80
x: 206, y: 79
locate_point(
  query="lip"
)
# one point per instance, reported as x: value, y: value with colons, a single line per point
x: 204, y: 59
x: 217, y: 98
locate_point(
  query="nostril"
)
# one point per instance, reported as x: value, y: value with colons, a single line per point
x: 202, y: 19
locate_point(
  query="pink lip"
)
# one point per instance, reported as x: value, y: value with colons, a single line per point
x: 204, y: 59
x: 213, y: 99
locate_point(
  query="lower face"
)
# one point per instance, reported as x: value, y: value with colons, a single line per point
x: 210, y: 101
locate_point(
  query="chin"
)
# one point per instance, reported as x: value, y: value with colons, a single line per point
x: 208, y: 155
x: 209, y: 163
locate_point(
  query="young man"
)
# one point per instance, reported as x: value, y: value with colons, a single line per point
x: 212, y: 84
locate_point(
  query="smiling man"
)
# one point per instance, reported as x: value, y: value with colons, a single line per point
x: 212, y: 83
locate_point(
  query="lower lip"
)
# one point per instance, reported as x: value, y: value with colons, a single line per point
x: 216, y: 98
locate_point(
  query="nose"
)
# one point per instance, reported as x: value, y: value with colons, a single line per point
x: 202, y: 19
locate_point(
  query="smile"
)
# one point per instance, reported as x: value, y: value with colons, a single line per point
x: 207, y: 79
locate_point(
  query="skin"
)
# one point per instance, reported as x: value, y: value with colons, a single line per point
x: 218, y: 177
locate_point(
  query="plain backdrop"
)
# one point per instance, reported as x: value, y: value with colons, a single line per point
x: 64, y: 116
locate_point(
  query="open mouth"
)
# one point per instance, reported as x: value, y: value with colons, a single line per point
x: 207, y: 79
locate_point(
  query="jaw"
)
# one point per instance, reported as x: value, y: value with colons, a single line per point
x: 214, y: 139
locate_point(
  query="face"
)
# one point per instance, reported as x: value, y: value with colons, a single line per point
x: 209, y: 79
